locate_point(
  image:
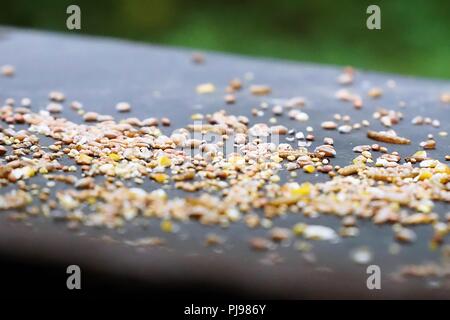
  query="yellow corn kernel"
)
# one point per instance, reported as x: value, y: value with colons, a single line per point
x: 299, y: 229
x: 114, y: 156
x: 425, y: 174
x: 309, y: 168
x: 164, y: 161
x: 83, y: 159
x: 167, y: 226
x: 159, y: 177
x: 303, y: 190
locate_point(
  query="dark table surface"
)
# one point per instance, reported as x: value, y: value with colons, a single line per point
x: 160, y: 82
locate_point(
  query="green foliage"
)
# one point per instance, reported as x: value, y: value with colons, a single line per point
x: 414, y: 38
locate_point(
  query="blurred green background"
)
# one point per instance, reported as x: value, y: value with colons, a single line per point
x: 414, y: 40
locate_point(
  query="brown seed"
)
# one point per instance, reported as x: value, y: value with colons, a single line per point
x: 260, y: 244
x: 133, y: 121
x: 348, y: 170
x: 280, y: 130
x: 295, y: 102
x: 8, y: 70
x: 236, y: 84
x: 110, y: 134
x: 445, y: 97
x: 329, y: 125
x: 2, y: 150
x: 328, y: 150
x: 150, y: 122
x: 280, y: 234
x: 165, y: 122
x: 198, y: 58
x: 357, y: 103
x: 260, y: 90
x: 252, y: 220
x: 375, y: 93
x: 387, y: 137
x: 326, y: 169
x: 90, y: 116
x: 213, y: 239
x: 85, y: 183
x: 18, y: 118
x: 429, y: 144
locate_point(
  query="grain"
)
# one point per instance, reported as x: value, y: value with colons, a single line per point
x: 260, y: 90
x: 383, y: 136
x: 123, y: 107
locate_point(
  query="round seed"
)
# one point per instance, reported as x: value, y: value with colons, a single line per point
x: 123, y: 107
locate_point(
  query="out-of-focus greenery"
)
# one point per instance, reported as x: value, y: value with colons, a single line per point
x: 415, y: 35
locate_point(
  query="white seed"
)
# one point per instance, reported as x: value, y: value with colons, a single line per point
x: 300, y: 136
x: 302, y: 116
x: 277, y: 110
x: 54, y: 107
x: 8, y: 70
x: 361, y: 255
x: 205, y: 88
x: 345, y: 128
x: 25, y: 102
x: 329, y: 125
x: 56, y: 96
x: 123, y: 107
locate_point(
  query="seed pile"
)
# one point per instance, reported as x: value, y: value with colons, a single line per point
x: 105, y: 164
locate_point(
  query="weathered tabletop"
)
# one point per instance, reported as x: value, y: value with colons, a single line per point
x: 160, y: 82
